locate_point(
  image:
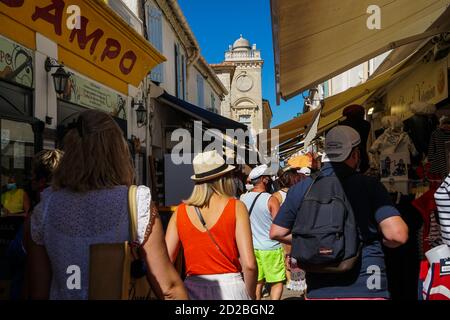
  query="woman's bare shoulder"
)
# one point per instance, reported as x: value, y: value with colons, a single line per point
x: 241, y: 208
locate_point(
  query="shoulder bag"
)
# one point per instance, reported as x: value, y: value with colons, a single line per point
x: 116, y: 271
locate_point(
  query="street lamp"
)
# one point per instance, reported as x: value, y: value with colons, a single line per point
x: 60, y: 77
x: 141, y: 113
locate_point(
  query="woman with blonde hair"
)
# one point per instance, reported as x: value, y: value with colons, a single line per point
x: 214, y: 230
x: 88, y: 204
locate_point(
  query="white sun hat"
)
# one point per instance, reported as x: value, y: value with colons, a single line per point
x: 209, y: 165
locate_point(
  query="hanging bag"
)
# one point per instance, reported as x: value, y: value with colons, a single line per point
x: 116, y: 271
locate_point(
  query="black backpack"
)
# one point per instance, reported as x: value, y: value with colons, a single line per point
x: 325, y: 237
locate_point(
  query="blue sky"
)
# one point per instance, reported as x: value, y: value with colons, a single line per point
x: 217, y: 24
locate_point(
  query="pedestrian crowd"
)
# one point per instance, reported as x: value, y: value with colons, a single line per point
x: 317, y: 226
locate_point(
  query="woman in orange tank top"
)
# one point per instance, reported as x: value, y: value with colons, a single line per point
x: 214, y: 230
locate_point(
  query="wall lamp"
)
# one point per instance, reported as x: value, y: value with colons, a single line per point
x: 60, y: 77
x: 141, y: 113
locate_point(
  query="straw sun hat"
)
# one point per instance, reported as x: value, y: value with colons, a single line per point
x: 209, y: 165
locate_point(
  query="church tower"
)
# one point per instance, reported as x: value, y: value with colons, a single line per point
x: 241, y: 73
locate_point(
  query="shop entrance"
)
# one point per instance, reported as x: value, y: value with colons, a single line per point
x: 21, y: 138
x: 19, y: 135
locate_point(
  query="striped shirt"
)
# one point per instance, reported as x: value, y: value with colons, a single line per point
x: 436, y: 152
x: 442, y: 198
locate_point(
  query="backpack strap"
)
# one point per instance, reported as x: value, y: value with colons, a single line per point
x: 253, y: 203
x: 311, y: 185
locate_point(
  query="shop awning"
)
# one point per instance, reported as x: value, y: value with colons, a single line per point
x: 332, y: 111
x: 232, y: 147
x: 316, y: 40
x: 333, y: 106
x: 210, y: 119
x: 292, y: 128
x: 285, y: 154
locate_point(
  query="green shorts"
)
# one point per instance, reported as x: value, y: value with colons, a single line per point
x: 271, y: 266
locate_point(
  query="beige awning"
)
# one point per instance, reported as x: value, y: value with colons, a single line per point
x: 292, y: 128
x: 333, y: 106
x: 316, y: 40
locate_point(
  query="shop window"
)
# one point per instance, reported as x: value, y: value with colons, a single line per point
x: 17, y: 151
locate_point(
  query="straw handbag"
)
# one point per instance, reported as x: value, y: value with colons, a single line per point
x: 115, y: 271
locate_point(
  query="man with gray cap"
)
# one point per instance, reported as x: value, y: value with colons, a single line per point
x: 377, y: 220
x: 263, y: 208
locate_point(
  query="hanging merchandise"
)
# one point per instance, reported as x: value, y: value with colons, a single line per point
x: 303, y: 161
x: 393, y: 140
x: 394, y: 149
x: 436, y: 150
x: 421, y: 125
x: 426, y: 205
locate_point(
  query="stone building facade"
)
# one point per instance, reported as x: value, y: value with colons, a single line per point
x: 241, y: 74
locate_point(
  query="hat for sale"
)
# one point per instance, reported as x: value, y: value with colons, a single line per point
x: 259, y: 171
x: 299, y: 162
x: 339, y: 143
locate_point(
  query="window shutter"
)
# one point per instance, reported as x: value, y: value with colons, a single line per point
x: 200, y: 91
x: 177, y: 79
x: 154, y: 32
x: 213, y: 103
x: 179, y: 73
x: 183, y: 60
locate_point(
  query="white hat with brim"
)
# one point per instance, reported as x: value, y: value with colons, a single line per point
x: 209, y: 165
x: 259, y: 171
x: 339, y: 143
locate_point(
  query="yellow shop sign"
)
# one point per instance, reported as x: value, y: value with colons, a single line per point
x: 90, y: 30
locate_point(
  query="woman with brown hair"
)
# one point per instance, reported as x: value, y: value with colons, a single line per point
x: 287, y: 179
x: 88, y: 204
x: 214, y: 229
